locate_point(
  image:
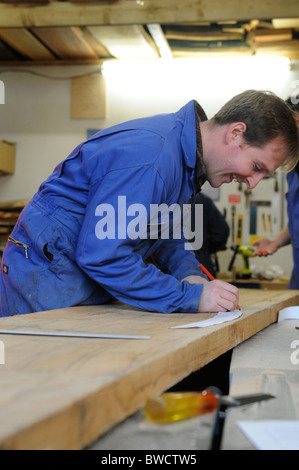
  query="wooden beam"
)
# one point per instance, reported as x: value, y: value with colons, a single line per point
x: 212, y: 53
x: 67, y: 43
x: 151, y: 11
x: 278, y: 49
x: 97, y: 46
x: 17, y: 2
x: 11, y: 62
x: 288, y: 49
x: 269, y: 35
x: 63, y: 393
x: 286, y: 23
x: 25, y: 43
x: 125, y: 41
x: 203, y: 36
x: 160, y: 40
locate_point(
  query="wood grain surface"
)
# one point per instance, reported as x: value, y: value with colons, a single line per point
x: 63, y: 393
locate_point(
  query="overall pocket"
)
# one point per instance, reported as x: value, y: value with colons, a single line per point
x: 62, y: 283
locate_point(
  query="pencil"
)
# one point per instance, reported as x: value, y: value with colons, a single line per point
x: 205, y: 271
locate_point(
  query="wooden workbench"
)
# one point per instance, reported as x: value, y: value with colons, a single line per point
x: 63, y: 393
x: 264, y: 364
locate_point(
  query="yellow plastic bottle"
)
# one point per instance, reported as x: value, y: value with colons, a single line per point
x: 174, y: 406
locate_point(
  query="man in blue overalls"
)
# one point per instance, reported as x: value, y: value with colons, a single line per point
x: 290, y: 233
x: 79, y: 241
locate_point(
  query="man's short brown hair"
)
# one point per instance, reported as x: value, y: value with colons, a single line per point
x: 266, y: 116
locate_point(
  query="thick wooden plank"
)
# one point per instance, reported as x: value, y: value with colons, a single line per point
x: 279, y: 49
x: 66, y: 43
x: 124, y: 42
x: 8, y: 61
x: 97, y: 46
x: 160, y: 41
x: 270, y: 35
x: 6, y: 54
x: 212, y: 52
x: 25, y: 43
x: 18, y: 2
x: 286, y: 23
x: 151, y: 11
x: 63, y: 393
x: 203, y: 36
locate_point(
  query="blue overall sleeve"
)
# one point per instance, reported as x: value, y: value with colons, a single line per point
x: 116, y: 261
x: 293, y: 224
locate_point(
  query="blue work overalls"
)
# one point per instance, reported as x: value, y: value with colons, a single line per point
x: 55, y: 257
x: 293, y: 224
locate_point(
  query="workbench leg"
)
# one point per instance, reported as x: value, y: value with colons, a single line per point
x: 215, y: 374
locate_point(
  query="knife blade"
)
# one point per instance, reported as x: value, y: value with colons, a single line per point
x: 227, y: 400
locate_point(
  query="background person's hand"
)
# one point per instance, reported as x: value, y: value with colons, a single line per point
x: 264, y: 247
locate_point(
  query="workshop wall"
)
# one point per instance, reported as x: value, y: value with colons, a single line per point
x: 36, y: 116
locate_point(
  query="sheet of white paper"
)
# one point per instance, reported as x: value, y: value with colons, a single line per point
x: 219, y: 318
x: 288, y: 313
x: 271, y: 434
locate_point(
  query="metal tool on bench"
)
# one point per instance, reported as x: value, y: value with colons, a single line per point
x: 174, y: 406
x: 71, y: 334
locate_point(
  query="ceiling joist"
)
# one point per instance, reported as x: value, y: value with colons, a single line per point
x: 129, y: 12
x: 57, y: 32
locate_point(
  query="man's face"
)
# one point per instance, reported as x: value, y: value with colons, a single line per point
x: 246, y: 163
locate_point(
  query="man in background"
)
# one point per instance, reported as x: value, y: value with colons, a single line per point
x: 290, y: 233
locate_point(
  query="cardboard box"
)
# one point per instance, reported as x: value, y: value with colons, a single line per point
x: 7, y: 158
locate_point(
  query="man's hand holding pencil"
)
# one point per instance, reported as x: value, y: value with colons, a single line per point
x: 218, y: 296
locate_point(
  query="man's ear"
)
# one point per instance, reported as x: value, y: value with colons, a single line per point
x: 235, y: 132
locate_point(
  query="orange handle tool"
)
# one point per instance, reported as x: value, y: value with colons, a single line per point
x: 175, y: 406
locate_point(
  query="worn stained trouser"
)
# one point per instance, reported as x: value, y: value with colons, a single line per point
x: 38, y: 270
